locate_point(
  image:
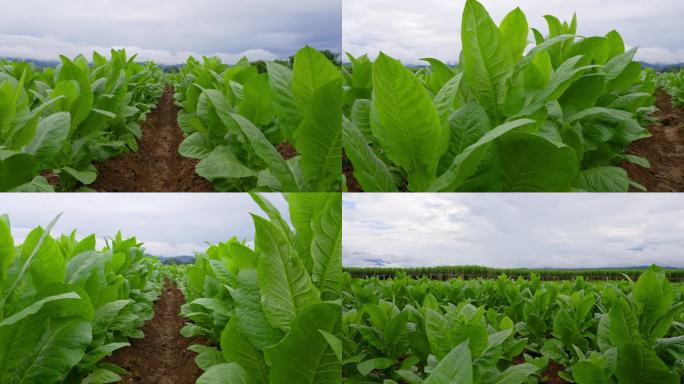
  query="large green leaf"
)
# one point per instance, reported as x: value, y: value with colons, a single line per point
x: 7, y: 252
x: 326, y: 248
x: 16, y: 169
x: 370, y: 171
x: 456, y: 367
x: 222, y: 164
x: 280, y: 79
x: 304, y: 355
x: 408, y: 127
x: 60, y: 349
x: 237, y: 349
x: 319, y: 138
x: 487, y: 63
x: 264, y: 149
x: 285, y: 286
x: 229, y: 373
x: 50, y: 136
x: 468, y: 161
x: 640, y: 365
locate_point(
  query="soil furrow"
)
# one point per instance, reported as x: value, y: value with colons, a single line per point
x: 664, y: 150
x: 156, y: 166
x: 162, y: 357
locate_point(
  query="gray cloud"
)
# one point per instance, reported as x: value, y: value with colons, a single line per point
x: 409, y: 30
x: 513, y: 230
x: 168, y: 31
x: 170, y: 224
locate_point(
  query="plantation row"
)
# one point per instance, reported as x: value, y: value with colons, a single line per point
x: 65, y: 306
x: 271, y: 311
x: 556, y: 117
x: 513, y: 331
x: 476, y: 272
x: 236, y: 119
x: 58, y: 121
x: 672, y: 83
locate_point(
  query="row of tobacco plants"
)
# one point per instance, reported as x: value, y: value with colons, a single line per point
x: 272, y: 309
x: 556, y: 116
x: 263, y: 129
x: 58, y: 120
x: 64, y: 305
x: 522, y: 331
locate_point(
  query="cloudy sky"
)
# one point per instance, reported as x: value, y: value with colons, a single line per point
x: 170, y: 30
x: 409, y: 29
x: 170, y: 224
x: 513, y: 230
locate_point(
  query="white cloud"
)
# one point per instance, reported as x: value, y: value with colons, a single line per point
x: 409, y: 30
x: 170, y: 224
x: 513, y: 230
x: 49, y: 48
x: 171, y: 30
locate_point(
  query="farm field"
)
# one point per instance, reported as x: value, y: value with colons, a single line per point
x: 120, y: 126
x: 522, y: 330
x: 267, y: 312
x: 567, y: 113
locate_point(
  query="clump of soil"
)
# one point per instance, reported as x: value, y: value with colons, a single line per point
x: 348, y: 170
x: 550, y: 374
x: 664, y: 150
x: 286, y: 150
x: 51, y: 177
x: 162, y: 357
x: 156, y: 166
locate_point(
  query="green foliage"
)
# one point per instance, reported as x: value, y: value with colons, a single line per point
x: 673, y: 84
x: 273, y: 309
x: 557, y: 118
x: 63, y: 119
x: 64, y: 306
x: 509, y: 331
x: 235, y: 117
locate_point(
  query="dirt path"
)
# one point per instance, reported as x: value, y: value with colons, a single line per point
x: 664, y: 149
x: 156, y: 166
x: 162, y: 357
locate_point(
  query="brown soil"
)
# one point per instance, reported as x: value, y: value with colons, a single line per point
x: 348, y: 170
x: 162, y: 357
x: 51, y: 177
x: 550, y: 374
x: 286, y: 150
x: 664, y: 150
x: 156, y: 166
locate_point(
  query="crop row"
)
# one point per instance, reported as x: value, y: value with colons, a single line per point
x: 58, y: 121
x: 556, y: 116
x: 272, y: 129
x: 476, y: 272
x: 64, y: 306
x: 273, y: 309
x: 513, y: 331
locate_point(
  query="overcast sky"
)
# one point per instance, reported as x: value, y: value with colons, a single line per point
x: 513, y: 230
x: 168, y: 31
x: 170, y: 224
x: 409, y: 29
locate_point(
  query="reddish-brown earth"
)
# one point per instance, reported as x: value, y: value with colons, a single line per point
x: 162, y: 357
x: 286, y: 150
x: 664, y: 150
x: 156, y: 166
x: 550, y: 374
x: 348, y: 170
